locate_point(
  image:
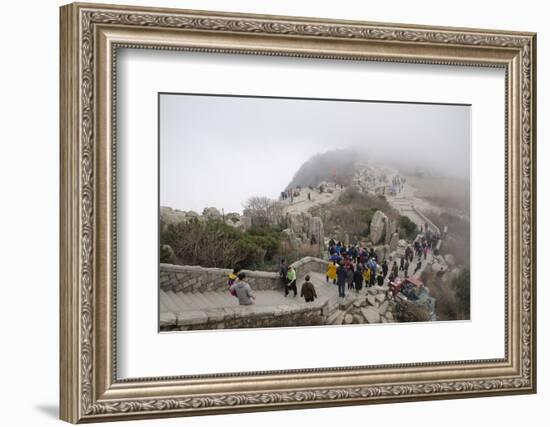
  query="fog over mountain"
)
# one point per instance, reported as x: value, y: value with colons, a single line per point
x: 340, y: 165
x: 219, y: 151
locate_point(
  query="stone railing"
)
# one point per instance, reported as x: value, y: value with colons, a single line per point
x: 308, y: 265
x: 426, y: 219
x: 253, y: 316
x: 185, y: 278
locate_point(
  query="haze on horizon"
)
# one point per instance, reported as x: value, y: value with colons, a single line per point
x: 219, y: 151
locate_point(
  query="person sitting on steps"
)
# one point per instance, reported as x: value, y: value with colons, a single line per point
x: 242, y: 290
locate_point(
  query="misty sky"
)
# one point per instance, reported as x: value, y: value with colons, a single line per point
x: 218, y: 151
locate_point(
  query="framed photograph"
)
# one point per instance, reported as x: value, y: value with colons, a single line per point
x: 266, y: 212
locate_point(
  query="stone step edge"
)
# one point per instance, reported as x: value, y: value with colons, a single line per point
x: 196, y: 317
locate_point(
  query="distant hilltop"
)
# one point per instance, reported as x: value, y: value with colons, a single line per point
x: 333, y: 166
x: 346, y: 166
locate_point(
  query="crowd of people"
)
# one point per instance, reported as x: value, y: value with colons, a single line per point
x: 354, y: 266
x: 291, y: 193
x: 351, y: 267
x: 398, y: 183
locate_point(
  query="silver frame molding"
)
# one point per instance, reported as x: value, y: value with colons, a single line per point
x: 90, y: 37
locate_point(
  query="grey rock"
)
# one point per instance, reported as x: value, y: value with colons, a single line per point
x: 339, y: 319
x: 290, y: 236
x: 172, y: 216
x: 371, y: 314
x: 371, y: 300
x: 450, y: 259
x: 378, y: 227
x: 380, y: 289
x: 391, y: 228
x: 383, y: 308
x: 380, y: 298
x: 348, y: 319
x: 394, y: 241
x: 211, y: 213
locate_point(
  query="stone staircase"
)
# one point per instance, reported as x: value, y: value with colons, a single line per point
x: 181, y: 307
x: 176, y: 302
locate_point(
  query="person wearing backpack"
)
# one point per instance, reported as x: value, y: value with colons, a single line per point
x: 231, y: 279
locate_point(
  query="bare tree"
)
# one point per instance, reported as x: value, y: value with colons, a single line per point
x: 262, y: 211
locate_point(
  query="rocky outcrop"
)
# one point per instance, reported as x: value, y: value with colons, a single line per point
x: 290, y: 237
x: 211, y: 213
x: 175, y: 216
x: 371, y: 314
x: 378, y: 227
x: 382, y: 252
x: 303, y: 228
x: 391, y: 229
x: 372, y: 307
x: 394, y: 241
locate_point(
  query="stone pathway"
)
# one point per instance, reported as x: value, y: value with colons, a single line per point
x: 301, y: 203
x: 176, y: 302
x: 405, y: 202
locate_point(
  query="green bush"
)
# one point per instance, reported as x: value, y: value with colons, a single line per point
x: 213, y: 243
x: 167, y: 255
x: 407, y: 228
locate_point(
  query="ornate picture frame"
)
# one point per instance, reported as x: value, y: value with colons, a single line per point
x: 90, y: 37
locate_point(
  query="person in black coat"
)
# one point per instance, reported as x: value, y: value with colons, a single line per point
x: 358, y: 278
x: 341, y: 275
x: 385, y: 268
x: 308, y: 291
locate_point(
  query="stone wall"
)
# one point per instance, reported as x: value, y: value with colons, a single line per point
x: 309, y: 264
x: 239, y: 317
x: 179, y: 278
x: 185, y: 278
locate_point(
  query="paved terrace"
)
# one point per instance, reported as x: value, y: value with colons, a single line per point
x: 198, y: 298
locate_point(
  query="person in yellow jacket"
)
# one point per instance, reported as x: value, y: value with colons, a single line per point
x: 331, y: 272
x: 366, y: 275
